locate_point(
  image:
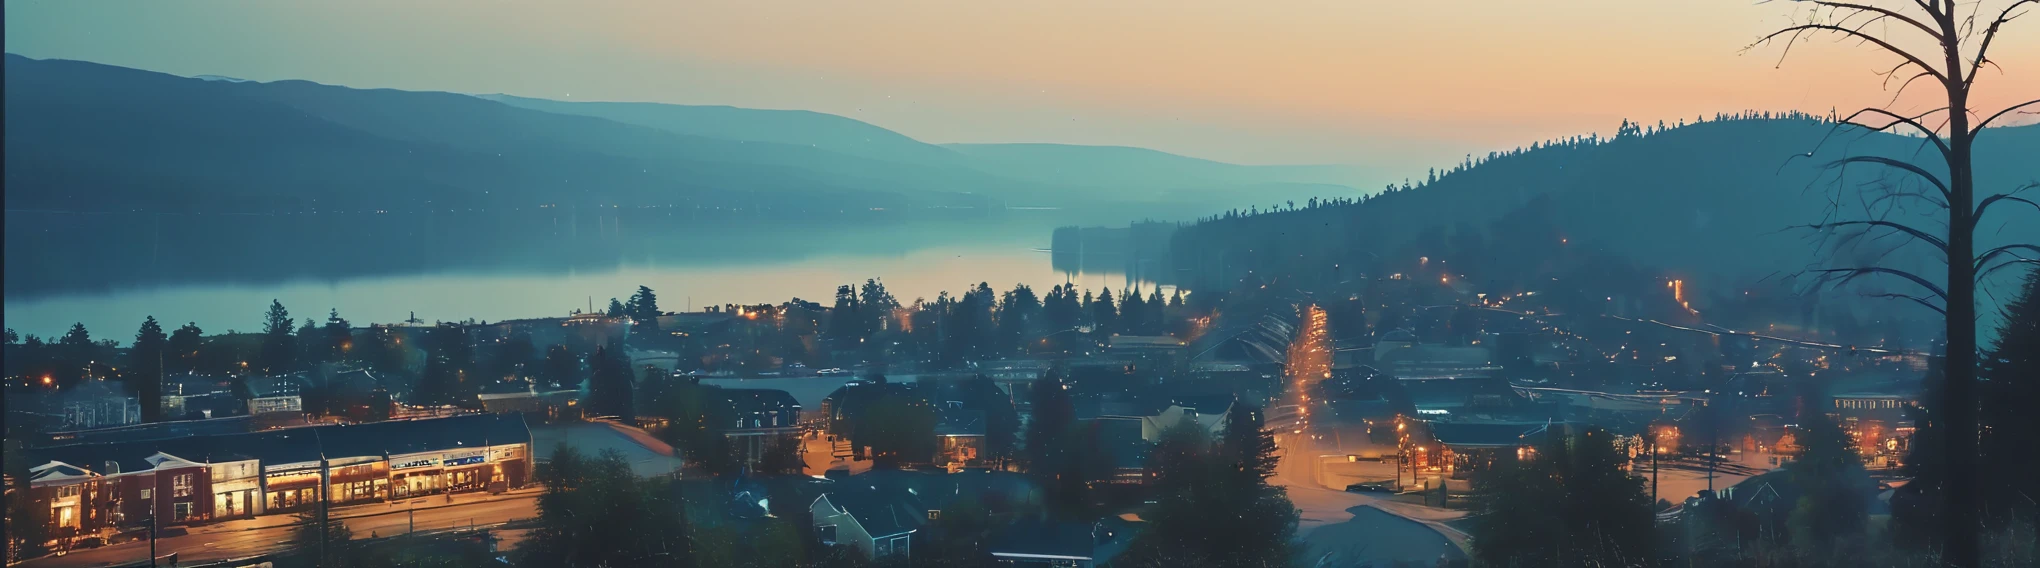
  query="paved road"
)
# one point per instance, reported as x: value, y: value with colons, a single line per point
x: 251, y: 537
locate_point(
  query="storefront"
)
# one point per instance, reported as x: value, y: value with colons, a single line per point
x: 467, y: 470
x: 359, y: 482
x: 236, y: 489
x: 291, y: 490
x: 414, y: 475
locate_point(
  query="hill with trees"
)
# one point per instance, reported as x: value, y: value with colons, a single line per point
x: 1714, y: 201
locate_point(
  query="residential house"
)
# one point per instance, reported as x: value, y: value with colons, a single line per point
x: 877, y: 524
x: 763, y: 417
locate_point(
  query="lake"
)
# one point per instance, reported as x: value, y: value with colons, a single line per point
x: 499, y: 273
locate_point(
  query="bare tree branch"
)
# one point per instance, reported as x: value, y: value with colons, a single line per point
x: 1921, y: 300
x: 2007, y: 250
x: 1840, y: 276
x: 1938, y: 243
x: 1930, y: 134
x: 1983, y: 51
x: 2007, y: 110
x: 1802, y: 29
x: 2014, y: 262
x: 1984, y: 205
x: 1915, y: 170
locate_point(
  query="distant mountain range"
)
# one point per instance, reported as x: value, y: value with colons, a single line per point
x: 84, y: 137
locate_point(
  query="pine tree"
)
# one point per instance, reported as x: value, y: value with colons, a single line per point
x: 147, y: 359
x: 1104, y: 314
x: 279, y: 348
x: 2011, y: 431
x: 339, y: 336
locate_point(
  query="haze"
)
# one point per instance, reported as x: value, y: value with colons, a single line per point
x: 1281, y: 81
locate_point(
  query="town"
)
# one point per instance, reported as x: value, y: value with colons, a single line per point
x: 903, y: 284
x: 1068, y: 428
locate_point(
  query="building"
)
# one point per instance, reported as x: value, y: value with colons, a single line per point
x: 102, y: 486
x: 959, y: 436
x: 95, y: 403
x: 877, y: 524
x: 1144, y: 345
x: 763, y: 417
x: 268, y: 395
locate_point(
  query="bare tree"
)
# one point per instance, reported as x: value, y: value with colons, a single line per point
x: 1936, y: 42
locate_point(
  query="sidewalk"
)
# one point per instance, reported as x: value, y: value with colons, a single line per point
x: 426, y: 503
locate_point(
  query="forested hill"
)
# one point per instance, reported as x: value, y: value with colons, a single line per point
x: 1713, y: 200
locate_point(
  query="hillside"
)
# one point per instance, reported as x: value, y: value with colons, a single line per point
x: 1144, y: 170
x: 796, y: 127
x: 1713, y: 200
x: 85, y: 136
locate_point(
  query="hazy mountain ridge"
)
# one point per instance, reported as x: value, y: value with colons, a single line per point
x: 99, y: 137
x: 88, y: 136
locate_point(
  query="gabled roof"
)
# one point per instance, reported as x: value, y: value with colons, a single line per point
x: 880, y: 513
x: 56, y: 473
x: 748, y: 401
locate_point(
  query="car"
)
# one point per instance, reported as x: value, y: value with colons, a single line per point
x: 1373, y: 487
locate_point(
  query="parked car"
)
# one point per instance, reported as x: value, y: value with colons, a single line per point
x: 1371, y: 487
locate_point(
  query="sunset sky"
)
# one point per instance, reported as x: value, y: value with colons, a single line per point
x: 1383, y: 84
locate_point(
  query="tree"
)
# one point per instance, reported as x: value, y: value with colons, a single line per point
x: 1827, y: 524
x: 279, y: 348
x: 339, y: 337
x: 311, y: 343
x: 75, y: 355
x: 1939, y: 43
x: 1208, y: 510
x: 2011, y: 431
x: 643, y: 308
x: 449, y: 364
x: 1567, y: 503
x: 1103, y: 314
x: 562, y: 367
x: 1053, y: 416
x: 147, y: 361
x: 595, y: 512
x: 899, y: 429
x: 610, y: 387
x: 184, y: 345
x: 323, y: 537
x: 617, y: 309
x: 1248, y: 444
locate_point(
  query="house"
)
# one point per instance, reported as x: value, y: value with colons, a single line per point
x: 1466, y: 447
x: 959, y: 436
x: 877, y: 524
x: 71, y: 494
x: 763, y: 417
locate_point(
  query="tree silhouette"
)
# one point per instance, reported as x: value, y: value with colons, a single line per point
x: 279, y: 348
x: 147, y: 359
x: 1961, y: 48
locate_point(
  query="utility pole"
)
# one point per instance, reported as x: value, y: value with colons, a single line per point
x: 152, y: 534
x: 325, y: 479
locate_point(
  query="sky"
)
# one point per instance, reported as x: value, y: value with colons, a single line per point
x: 1391, y: 85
